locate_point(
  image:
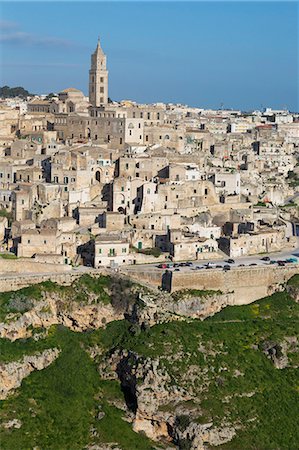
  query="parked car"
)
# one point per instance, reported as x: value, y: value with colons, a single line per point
x: 231, y: 261
x: 218, y: 266
x: 292, y: 260
x: 253, y: 264
x: 226, y: 267
x: 177, y: 269
x: 281, y: 263
x: 265, y: 258
x: 241, y: 265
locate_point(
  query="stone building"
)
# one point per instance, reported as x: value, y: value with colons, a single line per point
x: 98, y: 78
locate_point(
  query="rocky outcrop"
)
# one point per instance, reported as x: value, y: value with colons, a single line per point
x: 12, y: 373
x: 153, y: 308
x: 199, y: 436
x: 278, y: 352
x: 52, y: 310
x: 200, y: 307
x: 149, y: 390
x: 293, y: 291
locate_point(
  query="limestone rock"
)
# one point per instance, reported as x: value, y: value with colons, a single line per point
x: 51, y: 310
x: 12, y: 373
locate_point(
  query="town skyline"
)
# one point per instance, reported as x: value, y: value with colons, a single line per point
x: 243, y: 70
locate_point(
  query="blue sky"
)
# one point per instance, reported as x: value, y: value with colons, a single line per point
x: 241, y: 54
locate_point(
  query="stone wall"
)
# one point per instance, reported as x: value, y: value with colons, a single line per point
x: 28, y: 265
x: 248, y: 284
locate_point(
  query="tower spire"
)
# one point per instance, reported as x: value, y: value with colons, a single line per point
x: 98, y: 77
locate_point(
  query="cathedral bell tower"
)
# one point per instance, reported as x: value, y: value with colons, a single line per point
x: 98, y: 78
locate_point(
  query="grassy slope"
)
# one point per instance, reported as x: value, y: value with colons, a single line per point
x: 269, y: 417
x: 78, y: 292
x: 58, y: 405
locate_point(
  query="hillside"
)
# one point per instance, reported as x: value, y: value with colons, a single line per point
x: 226, y: 382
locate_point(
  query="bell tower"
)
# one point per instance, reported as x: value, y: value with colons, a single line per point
x: 98, y: 78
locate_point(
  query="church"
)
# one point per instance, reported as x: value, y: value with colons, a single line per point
x: 98, y: 78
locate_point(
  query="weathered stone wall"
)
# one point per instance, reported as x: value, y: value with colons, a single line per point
x: 15, y: 282
x: 28, y: 265
x: 248, y: 284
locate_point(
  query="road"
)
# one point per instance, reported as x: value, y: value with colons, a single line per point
x: 244, y: 260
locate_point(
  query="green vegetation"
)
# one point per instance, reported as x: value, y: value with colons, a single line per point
x: 8, y: 256
x: 293, y: 178
x: 8, y: 92
x: 59, y: 405
x: 233, y: 366
x: 294, y: 281
x: 7, y: 214
x: 156, y: 252
x: 86, y: 289
x: 260, y: 204
x: 194, y: 293
x: 221, y: 362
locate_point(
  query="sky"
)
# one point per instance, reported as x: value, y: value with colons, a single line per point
x: 207, y: 54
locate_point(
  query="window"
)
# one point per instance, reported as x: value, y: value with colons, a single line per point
x: 139, y: 125
x: 146, y: 138
x: 23, y: 202
x: 100, y: 251
x: 122, y: 189
x: 45, y: 241
x: 102, y: 100
x: 194, y: 191
x: 28, y: 242
x: 121, y: 140
x: 130, y: 132
x: 206, y: 191
x: 101, y: 90
x: 124, y: 250
x: 152, y: 227
x: 102, y: 79
x: 137, y: 174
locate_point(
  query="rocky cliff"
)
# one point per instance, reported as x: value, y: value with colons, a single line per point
x: 12, y: 374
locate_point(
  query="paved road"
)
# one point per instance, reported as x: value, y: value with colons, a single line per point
x: 242, y: 260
